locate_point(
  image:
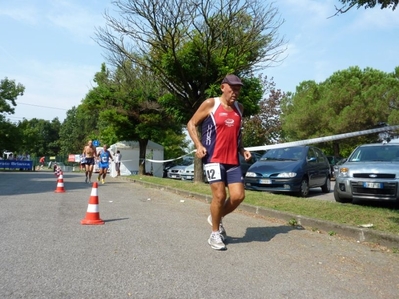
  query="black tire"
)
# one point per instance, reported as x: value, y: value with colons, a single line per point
x: 326, y: 188
x: 304, y: 188
x: 339, y: 198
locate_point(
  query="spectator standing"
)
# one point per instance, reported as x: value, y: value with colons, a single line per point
x: 42, y: 161
x: 118, y: 159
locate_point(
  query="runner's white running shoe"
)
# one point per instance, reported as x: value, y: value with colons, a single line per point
x: 222, y: 231
x: 216, y: 242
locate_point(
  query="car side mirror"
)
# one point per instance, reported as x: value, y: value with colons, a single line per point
x: 312, y: 159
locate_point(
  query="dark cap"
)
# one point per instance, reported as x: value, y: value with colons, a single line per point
x: 232, y: 80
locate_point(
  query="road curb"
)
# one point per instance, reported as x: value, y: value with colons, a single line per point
x: 362, y: 235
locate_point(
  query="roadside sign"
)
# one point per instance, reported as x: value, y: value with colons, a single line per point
x: 96, y: 143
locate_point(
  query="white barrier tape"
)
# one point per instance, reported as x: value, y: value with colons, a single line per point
x: 322, y: 139
x: 170, y: 160
x: 301, y: 142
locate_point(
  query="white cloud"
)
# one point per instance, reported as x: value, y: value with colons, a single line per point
x: 56, y: 72
x: 319, y: 45
x: 314, y: 9
x: 80, y: 21
x: 25, y: 13
x: 55, y: 85
x: 376, y: 19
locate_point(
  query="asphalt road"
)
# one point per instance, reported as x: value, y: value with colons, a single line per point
x: 154, y: 245
x: 318, y: 194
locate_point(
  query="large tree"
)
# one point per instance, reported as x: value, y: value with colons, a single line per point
x: 350, y: 100
x: 39, y: 137
x: 189, y: 46
x: 127, y: 101
x: 192, y: 45
x: 10, y: 138
x: 79, y: 126
x: 9, y: 91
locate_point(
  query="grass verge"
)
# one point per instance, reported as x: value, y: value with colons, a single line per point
x: 383, y: 218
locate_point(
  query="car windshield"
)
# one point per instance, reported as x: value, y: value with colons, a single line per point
x: 375, y: 153
x: 187, y: 161
x: 284, y: 154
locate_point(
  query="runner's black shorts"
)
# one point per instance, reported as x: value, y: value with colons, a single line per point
x: 89, y: 161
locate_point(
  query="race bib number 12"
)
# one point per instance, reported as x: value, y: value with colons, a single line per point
x: 212, y: 171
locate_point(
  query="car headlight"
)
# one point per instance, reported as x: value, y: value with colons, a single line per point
x: 343, y: 171
x: 250, y: 174
x: 287, y: 175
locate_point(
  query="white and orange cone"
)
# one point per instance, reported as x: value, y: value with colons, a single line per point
x: 60, y: 184
x: 93, y: 214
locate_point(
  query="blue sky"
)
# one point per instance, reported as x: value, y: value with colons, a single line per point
x: 48, y: 46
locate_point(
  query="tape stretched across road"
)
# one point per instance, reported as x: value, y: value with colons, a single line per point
x: 301, y: 142
x: 322, y: 139
x: 170, y: 160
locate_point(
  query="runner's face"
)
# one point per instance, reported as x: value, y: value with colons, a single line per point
x: 230, y: 92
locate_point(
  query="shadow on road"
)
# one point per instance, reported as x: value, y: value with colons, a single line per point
x: 262, y: 234
x: 116, y: 219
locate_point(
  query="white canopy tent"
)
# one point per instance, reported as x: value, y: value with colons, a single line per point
x: 130, y: 152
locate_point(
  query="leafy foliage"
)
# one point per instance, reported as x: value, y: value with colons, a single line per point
x: 39, y: 137
x: 9, y: 134
x: 348, y: 4
x: 264, y: 127
x: 127, y: 104
x: 350, y: 100
x: 10, y: 138
x: 191, y: 45
x: 78, y: 127
x: 9, y: 91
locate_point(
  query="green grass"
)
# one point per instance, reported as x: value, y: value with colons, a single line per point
x: 383, y: 219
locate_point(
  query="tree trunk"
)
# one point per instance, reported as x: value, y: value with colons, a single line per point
x: 198, y: 167
x: 336, y: 149
x: 143, y: 147
x: 198, y: 170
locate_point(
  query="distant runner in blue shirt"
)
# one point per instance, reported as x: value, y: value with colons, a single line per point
x: 104, y: 157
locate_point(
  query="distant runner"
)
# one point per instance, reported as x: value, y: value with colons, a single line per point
x: 104, y: 157
x: 89, y: 151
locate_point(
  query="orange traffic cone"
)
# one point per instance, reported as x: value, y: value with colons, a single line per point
x: 93, y: 214
x: 60, y: 185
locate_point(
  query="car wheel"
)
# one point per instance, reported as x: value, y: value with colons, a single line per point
x: 326, y: 188
x: 339, y: 198
x: 304, y: 188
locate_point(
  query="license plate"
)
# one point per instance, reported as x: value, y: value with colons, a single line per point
x: 172, y: 176
x: 373, y: 185
x: 265, y: 181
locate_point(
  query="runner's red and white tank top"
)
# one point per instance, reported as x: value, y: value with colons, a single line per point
x: 221, y: 133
